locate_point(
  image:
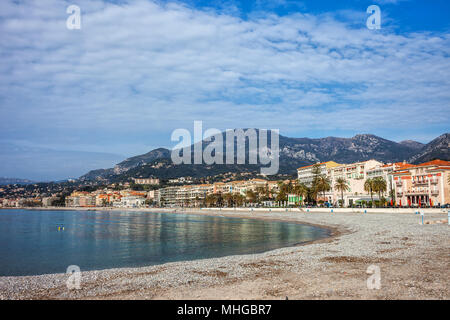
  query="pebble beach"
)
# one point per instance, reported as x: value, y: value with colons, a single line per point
x: 413, y: 260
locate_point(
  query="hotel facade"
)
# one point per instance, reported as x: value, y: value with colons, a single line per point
x: 194, y: 195
x: 411, y: 185
x: 423, y: 184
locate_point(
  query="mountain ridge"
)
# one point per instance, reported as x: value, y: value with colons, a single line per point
x: 294, y: 152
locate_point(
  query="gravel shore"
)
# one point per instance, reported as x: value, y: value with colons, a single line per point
x: 414, y: 263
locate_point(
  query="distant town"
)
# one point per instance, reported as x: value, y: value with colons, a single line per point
x: 362, y: 184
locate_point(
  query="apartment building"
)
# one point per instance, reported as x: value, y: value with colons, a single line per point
x: 355, y: 174
x: 48, y: 201
x: 130, y: 202
x: 385, y: 171
x: 153, y: 194
x: 306, y: 176
x: 425, y: 184
x: 194, y: 195
x: 168, y: 196
x: 80, y: 199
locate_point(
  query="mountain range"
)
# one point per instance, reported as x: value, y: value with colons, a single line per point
x: 294, y: 153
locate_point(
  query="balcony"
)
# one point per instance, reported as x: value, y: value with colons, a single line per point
x: 434, y: 181
x: 424, y: 192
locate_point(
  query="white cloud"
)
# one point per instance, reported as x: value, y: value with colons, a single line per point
x: 145, y: 67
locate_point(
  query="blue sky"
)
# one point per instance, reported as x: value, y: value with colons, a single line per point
x: 137, y: 70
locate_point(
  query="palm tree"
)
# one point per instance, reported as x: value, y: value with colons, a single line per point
x: 251, y: 196
x: 283, y: 192
x: 323, y: 184
x: 228, y: 197
x: 341, y: 185
x: 263, y: 193
x: 238, y: 199
x: 301, y: 190
x: 379, y: 186
x: 369, y: 187
x: 316, y: 171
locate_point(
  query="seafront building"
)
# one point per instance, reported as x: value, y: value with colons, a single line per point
x: 354, y: 174
x: 386, y: 172
x: 423, y: 184
x: 81, y: 199
x: 426, y: 184
x: 167, y: 197
x: 306, y: 176
x: 48, y: 201
x: 194, y: 195
x: 411, y: 185
x: 102, y: 198
x: 130, y: 202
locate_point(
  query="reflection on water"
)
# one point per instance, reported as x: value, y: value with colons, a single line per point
x: 30, y: 242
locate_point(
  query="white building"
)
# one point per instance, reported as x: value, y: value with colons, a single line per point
x: 356, y: 175
x: 130, y: 202
x: 47, y: 201
x: 306, y: 176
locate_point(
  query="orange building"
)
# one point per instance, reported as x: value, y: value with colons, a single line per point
x: 425, y: 184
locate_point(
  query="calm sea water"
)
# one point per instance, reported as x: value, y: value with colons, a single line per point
x: 31, y: 244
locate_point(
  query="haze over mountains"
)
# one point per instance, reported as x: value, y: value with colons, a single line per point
x: 294, y: 152
x: 45, y: 164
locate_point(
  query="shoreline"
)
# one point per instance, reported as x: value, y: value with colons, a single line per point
x: 240, y: 209
x: 246, y: 276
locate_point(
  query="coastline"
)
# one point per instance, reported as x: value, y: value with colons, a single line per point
x: 330, y: 268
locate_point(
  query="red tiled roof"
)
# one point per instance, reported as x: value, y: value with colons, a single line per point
x: 434, y: 163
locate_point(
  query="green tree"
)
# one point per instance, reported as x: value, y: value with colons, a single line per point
x: 341, y: 185
x: 263, y: 193
x: 323, y: 184
x: 228, y: 199
x: 210, y: 200
x: 379, y: 186
x: 317, y: 173
x: 369, y: 187
x: 238, y: 199
x: 301, y: 190
x: 251, y: 196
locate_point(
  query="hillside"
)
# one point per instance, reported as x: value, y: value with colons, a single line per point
x: 294, y: 152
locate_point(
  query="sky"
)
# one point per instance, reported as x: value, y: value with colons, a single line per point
x: 137, y: 70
